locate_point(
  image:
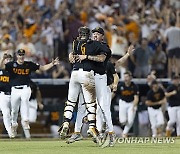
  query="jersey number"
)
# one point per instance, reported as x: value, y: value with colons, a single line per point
x: 83, y: 49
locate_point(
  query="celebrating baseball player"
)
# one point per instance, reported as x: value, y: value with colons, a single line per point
x: 173, y: 94
x: 129, y: 97
x: 85, y: 51
x: 19, y: 72
x: 5, y: 91
x: 155, y: 99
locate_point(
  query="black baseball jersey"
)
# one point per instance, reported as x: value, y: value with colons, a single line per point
x: 87, y: 47
x: 19, y: 74
x: 4, y: 81
x: 110, y: 71
x: 155, y: 97
x: 127, y: 93
x: 175, y: 99
x: 34, y: 89
x: 100, y: 67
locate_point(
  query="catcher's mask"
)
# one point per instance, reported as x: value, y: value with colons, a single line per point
x: 84, y: 32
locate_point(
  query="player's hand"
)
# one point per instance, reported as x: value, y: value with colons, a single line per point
x: 41, y: 106
x: 80, y: 58
x: 114, y: 87
x: 55, y: 61
x: 131, y: 49
x: 174, y: 92
x: 71, y: 58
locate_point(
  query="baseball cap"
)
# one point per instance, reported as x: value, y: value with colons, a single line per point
x: 99, y: 30
x: 21, y: 52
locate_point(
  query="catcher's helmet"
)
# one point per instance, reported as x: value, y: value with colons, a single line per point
x: 84, y: 31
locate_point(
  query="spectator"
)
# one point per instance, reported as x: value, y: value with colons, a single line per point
x: 172, y: 36
x: 141, y: 59
x: 159, y: 62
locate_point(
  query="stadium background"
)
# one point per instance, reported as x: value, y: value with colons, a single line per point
x: 46, y: 28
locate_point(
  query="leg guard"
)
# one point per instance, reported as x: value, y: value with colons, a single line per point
x: 69, y: 110
x: 91, y: 109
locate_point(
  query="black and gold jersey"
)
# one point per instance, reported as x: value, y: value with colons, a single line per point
x: 174, y: 100
x: 4, y: 81
x: 19, y: 74
x: 88, y: 47
x: 100, y: 67
x: 155, y: 97
x: 127, y: 93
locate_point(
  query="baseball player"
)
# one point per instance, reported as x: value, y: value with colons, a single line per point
x: 129, y: 97
x: 35, y: 101
x: 173, y: 94
x: 85, y: 52
x: 155, y: 99
x: 5, y: 91
x: 19, y: 72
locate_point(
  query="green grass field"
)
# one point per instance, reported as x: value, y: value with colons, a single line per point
x: 51, y: 146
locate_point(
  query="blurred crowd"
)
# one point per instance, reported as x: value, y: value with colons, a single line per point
x: 46, y: 29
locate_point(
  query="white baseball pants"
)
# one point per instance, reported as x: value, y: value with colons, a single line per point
x: 20, y: 99
x: 81, y: 80
x: 156, y: 119
x: 5, y: 107
x: 103, y: 94
x: 126, y: 115
x: 174, y: 117
x: 33, y: 106
x: 81, y: 113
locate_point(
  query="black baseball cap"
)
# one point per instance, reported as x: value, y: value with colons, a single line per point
x: 99, y: 30
x: 21, y: 52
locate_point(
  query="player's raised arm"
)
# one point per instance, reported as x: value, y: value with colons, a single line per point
x: 50, y: 65
x: 125, y: 57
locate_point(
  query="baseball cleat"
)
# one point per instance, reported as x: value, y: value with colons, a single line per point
x: 63, y: 130
x: 26, y: 125
x: 74, y: 137
x: 112, y: 139
x: 14, y: 130
x: 95, y: 135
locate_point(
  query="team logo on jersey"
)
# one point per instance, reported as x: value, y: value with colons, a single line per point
x: 21, y: 71
x: 1, y: 72
x: 122, y: 88
x: 4, y: 78
x: 14, y: 65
